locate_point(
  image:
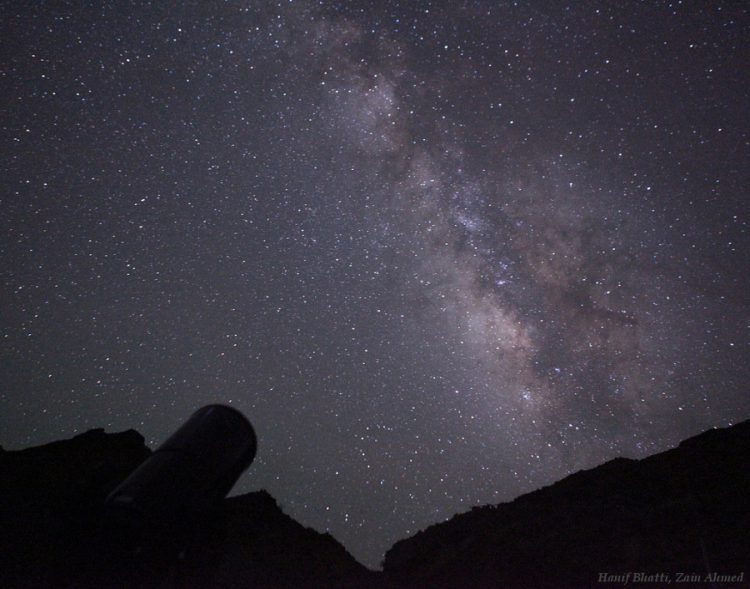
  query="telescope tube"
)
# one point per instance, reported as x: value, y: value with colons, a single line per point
x: 192, y: 471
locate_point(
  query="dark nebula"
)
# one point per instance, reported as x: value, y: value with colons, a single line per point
x: 440, y: 254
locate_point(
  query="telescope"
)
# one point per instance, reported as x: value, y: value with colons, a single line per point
x: 190, y: 473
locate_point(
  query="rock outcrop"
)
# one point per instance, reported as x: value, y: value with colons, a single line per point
x: 55, y: 532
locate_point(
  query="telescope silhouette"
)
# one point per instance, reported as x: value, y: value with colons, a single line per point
x: 190, y: 473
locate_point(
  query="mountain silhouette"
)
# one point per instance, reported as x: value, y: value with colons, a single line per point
x: 682, y: 512
x: 685, y: 510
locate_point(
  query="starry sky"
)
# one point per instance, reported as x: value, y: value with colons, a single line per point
x: 439, y: 253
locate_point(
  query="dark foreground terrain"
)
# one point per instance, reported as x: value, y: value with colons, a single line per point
x: 679, y: 518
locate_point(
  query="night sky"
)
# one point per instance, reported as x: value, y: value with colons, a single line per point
x: 440, y: 254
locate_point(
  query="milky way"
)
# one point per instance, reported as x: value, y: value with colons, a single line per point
x: 440, y: 254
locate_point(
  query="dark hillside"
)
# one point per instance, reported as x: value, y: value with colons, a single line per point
x: 684, y: 510
x: 681, y: 511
